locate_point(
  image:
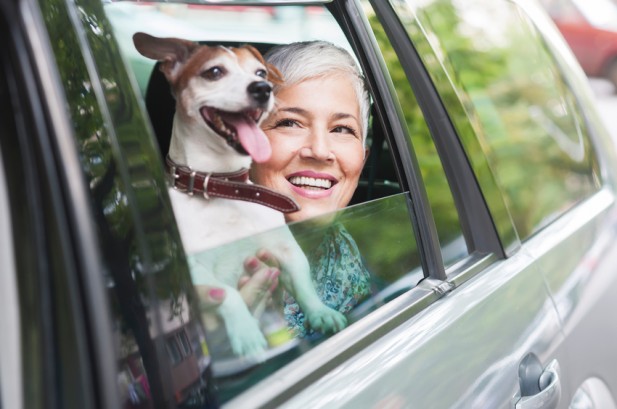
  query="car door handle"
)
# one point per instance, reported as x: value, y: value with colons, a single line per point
x: 549, y: 393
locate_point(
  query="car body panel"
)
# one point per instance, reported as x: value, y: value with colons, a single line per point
x: 458, y: 326
x: 574, y: 255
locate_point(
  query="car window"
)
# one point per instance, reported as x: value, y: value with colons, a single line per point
x: 144, y: 270
x: 439, y: 194
x: 521, y: 109
x: 374, y: 237
x: 389, y: 266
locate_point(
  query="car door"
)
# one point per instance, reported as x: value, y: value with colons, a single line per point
x: 494, y: 339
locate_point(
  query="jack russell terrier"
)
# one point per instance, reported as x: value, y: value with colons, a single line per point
x: 222, y: 95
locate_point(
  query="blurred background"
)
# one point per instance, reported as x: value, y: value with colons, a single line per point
x: 590, y: 29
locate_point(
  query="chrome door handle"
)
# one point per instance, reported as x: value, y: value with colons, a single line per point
x: 550, y: 390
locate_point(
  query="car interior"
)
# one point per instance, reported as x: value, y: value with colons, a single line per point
x: 378, y: 177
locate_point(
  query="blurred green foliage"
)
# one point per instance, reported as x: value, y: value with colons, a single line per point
x: 436, y: 184
x: 505, y: 93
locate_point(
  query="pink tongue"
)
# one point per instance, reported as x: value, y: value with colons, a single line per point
x: 252, y: 138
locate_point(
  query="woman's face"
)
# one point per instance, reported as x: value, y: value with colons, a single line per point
x: 317, y: 147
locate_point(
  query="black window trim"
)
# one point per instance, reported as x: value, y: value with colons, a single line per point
x: 478, y: 228
x: 55, y: 133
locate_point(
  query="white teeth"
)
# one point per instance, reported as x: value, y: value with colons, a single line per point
x: 221, y: 127
x: 311, y: 182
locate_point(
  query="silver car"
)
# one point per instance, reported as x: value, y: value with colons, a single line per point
x: 486, y: 215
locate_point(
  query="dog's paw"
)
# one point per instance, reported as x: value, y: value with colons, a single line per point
x: 247, y: 340
x: 326, y: 320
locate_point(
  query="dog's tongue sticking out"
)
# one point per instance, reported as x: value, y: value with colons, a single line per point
x: 252, y: 138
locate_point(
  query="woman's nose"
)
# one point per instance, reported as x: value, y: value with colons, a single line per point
x: 318, y: 147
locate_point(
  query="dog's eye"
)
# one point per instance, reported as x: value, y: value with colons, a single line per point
x: 213, y: 73
x: 261, y: 73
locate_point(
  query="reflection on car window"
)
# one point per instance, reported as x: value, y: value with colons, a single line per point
x: 530, y: 129
x: 360, y: 258
x: 357, y: 259
x: 437, y: 188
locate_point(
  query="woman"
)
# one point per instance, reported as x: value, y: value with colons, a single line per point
x: 318, y: 135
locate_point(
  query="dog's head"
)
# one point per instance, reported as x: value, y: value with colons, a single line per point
x: 226, y: 90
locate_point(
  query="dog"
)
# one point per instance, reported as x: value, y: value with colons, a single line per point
x: 222, y: 94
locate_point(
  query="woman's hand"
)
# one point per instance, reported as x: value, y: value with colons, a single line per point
x: 256, y: 285
x: 259, y: 281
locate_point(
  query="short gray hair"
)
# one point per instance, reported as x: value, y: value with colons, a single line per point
x: 305, y: 60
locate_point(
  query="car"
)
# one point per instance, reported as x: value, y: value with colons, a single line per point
x: 590, y: 29
x: 486, y: 214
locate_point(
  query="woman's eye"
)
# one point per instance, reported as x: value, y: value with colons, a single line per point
x: 213, y: 73
x: 345, y: 130
x: 286, y: 123
x: 261, y: 73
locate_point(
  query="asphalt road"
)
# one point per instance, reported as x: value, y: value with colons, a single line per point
x: 607, y: 104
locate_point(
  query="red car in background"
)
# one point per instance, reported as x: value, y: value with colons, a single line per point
x: 590, y: 28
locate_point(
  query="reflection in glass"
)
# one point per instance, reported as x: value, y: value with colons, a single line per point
x: 503, y: 82
x: 360, y: 258
x: 148, y: 284
x: 435, y: 181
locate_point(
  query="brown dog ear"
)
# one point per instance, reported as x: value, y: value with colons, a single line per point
x: 274, y: 75
x: 171, y: 52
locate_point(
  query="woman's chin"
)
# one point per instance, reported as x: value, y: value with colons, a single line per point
x: 317, y: 220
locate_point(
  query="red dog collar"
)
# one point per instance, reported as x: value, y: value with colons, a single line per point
x: 231, y: 185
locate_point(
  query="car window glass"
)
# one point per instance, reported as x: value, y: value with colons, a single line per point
x: 146, y: 276
x: 522, y: 111
x: 356, y: 266
x: 360, y: 257
x: 439, y: 194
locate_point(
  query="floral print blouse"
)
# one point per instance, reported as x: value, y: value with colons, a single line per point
x: 338, y: 274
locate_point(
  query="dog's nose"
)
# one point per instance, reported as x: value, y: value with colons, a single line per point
x: 260, y: 91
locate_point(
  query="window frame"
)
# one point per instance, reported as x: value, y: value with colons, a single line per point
x: 45, y: 157
x: 476, y: 222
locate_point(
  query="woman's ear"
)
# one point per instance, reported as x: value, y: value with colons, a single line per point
x: 367, y: 150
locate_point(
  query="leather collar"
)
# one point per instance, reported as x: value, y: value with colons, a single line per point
x: 232, y: 185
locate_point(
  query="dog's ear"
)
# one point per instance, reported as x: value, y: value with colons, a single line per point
x: 274, y: 75
x: 171, y: 52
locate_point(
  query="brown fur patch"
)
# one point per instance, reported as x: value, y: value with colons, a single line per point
x: 274, y: 75
x: 195, y: 64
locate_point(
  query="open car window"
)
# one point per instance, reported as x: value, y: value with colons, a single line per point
x: 373, y: 237
x: 376, y: 273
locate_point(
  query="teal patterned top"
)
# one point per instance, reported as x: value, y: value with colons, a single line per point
x: 338, y: 274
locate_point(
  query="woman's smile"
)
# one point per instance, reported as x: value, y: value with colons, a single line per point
x: 312, y: 184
